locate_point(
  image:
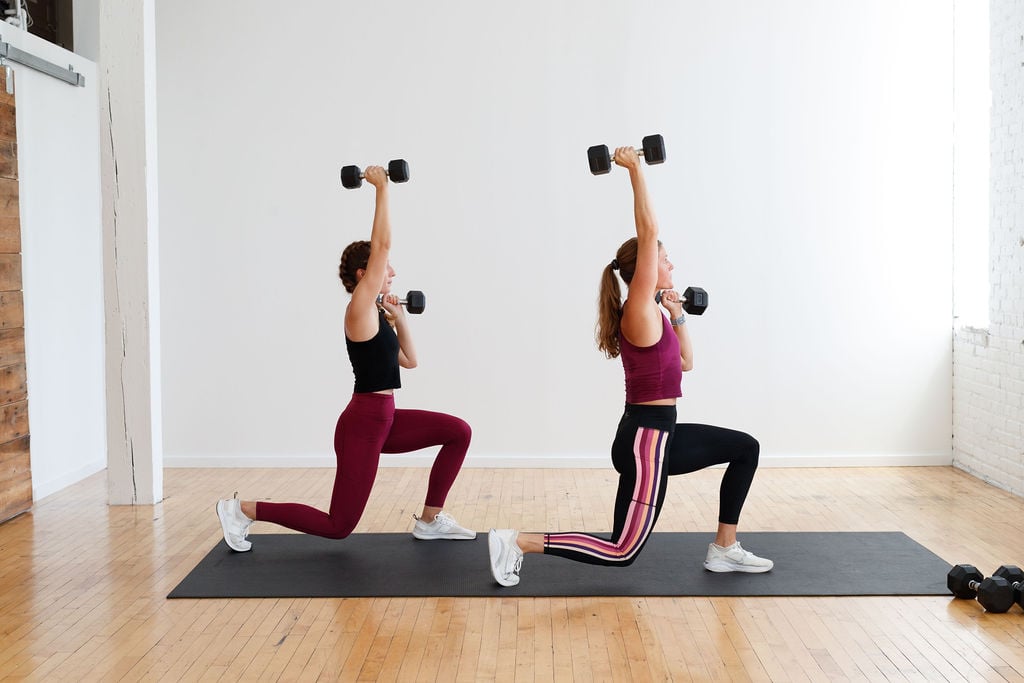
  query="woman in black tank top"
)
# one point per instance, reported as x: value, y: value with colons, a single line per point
x: 379, y: 343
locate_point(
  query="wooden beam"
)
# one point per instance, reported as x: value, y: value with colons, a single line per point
x: 13, y: 386
x: 8, y: 158
x: 13, y: 421
x: 10, y: 272
x: 12, y: 346
x: 12, y: 311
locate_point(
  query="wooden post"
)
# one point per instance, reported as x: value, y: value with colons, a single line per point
x: 15, y: 464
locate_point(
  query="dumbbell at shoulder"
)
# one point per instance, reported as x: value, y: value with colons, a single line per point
x: 415, y: 301
x: 695, y: 300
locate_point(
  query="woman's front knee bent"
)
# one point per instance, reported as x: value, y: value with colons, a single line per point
x: 751, y: 450
x: 461, y: 431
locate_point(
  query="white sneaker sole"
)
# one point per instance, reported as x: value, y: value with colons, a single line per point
x: 224, y: 529
x: 722, y: 567
x: 467, y: 536
x: 494, y: 548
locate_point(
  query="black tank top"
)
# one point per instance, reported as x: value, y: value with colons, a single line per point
x: 375, y: 361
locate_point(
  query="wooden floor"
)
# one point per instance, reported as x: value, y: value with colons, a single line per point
x: 83, y: 586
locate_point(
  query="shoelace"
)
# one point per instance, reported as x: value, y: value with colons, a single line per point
x: 517, y: 565
x: 444, y: 519
x: 745, y: 555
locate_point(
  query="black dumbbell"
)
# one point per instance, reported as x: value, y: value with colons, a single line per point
x: 652, y: 150
x: 1015, y: 577
x: 352, y: 176
x: 415, y: 301
x: 994, y: 593
x: 695, y: 300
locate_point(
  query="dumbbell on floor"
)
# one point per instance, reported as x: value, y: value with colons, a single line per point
x: 994, y: 593
x: 352, y: 176
x: 415, y: 301
x: 1015, y: 577
x: 652, y: 150
x: 695, y: 300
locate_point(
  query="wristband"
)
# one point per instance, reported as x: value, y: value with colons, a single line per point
x: 676, y: 322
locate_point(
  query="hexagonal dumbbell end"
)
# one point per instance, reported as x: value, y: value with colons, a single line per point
x: 415, y: 301
x: 1015, y: 576
x: 696, y: 300
x: 963, y: 580
x: 995, y: 595
x: 654, y: 149
x: 599, y: 158
x: 398, y: 171
x: 351, y: 177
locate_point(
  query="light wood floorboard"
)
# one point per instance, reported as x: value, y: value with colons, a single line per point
x: 83, y: 588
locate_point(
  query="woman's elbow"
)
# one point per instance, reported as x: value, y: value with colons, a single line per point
x: 687, y: 365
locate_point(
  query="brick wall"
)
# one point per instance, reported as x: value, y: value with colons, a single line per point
x: 988, y: 365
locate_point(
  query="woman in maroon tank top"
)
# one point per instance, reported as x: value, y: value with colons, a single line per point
x: 379, y: 342
x: 649, y: 445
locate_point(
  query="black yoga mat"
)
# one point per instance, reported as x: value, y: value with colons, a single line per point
x: 397, y: 565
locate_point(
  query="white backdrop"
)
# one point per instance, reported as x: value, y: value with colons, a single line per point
x: 807, y: 188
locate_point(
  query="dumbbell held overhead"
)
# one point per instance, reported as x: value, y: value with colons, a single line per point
x: 652, y: 149
x: 415, y: 301
x: 695, y: 300
x: 352, y: 176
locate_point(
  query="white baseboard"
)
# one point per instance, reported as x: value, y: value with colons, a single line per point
x: 42, y: 489
x: 548, y: 461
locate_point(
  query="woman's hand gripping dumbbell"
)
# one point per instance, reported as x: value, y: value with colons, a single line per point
x: 695, y: 299
x: 415, y: 301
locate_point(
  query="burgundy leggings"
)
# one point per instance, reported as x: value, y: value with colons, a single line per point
x: 369, y: 426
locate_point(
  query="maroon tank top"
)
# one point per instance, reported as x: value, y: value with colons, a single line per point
x: 652, y: 372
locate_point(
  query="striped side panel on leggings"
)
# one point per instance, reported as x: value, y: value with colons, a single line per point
x: 649, y: 451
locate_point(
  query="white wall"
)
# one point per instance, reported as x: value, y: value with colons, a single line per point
x: 86, y: 23
x: 807, y: 188
x: 62, y: 265
x: 988, y: 371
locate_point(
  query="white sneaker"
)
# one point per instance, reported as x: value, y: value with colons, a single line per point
x: 234, y: 523
x: 735, y: 559
x: 443, y: 526
x: 506, y: 557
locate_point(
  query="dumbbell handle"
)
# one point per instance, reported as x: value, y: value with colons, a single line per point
x: 975, y: 585
x: 660, y: 294
x: 415, y: 301
x: 611, y: 153
x: 362, y: 176
x: 401, y: 302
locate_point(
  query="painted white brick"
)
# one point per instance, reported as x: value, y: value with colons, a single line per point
x: 988, y: 366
